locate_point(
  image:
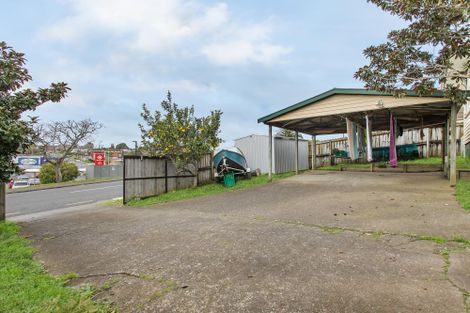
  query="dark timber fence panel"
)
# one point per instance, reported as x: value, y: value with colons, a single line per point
x: 145, y: 176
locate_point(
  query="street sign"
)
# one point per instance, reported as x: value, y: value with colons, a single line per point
x: 99, y: 159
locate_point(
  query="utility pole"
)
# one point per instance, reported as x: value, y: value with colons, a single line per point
x: 135, y: 146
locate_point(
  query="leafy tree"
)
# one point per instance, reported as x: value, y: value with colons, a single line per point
x: 434, y: 49
x: 178, y: 134
x: 47, y: 173
x: 287, y: 133
x: 59, y: 140
x: 16, y: 134
x: 122, y: 146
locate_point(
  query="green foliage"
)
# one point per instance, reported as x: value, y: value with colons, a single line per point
x: 178, y: 134
x: 425, y: 53
x: 69, y: 171
x: 287, y: 133
x: 17, y: 134
x: 26, y: 287
x: 47, y: 173
x: 121, y: 146
x: 206, y: 190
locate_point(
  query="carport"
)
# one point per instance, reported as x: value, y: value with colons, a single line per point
x: 327, y: 112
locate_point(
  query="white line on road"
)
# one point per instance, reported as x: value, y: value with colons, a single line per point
x: 85, y: 190
x: 78, y: 203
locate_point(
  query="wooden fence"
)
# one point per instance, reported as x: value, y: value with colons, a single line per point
x: 326, y: 148
x: 145, y: 176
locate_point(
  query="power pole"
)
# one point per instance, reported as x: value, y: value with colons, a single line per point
x: 135, y: 147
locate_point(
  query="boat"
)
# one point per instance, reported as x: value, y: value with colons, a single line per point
x: 230, y: 160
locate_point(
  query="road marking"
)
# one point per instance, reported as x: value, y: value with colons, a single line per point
x: 100, y: 188
x: 78, y: 203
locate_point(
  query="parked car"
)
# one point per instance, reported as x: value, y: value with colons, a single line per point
x: 20, y: 184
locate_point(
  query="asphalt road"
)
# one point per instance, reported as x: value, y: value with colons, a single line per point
x: 58, y: 198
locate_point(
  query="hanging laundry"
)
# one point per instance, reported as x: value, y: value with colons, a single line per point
x: 392, y: 148
x: 351, y: 131
x: 369, y: 138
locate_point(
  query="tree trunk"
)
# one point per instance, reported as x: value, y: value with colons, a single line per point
x: 2, y: 201
x: 58, y: 173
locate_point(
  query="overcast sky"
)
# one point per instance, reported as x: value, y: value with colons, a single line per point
x: 246, y: 58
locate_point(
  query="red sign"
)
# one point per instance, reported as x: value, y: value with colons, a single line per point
x: 99, y: 159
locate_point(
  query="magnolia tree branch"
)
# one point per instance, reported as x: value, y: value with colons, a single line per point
x: 58, y: 140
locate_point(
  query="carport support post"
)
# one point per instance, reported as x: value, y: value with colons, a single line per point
x: 314, y: 152
x: 270, y: 152
x: 453, y: 145
x: 428, y: 145
x: 296, y: 152
x: 445, y: 140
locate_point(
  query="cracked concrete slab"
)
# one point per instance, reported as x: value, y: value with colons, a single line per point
x: 267, y: 250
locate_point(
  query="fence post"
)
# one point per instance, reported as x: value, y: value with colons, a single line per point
x: 331, y: 153
x: 166, y: 175
x: 124, y: 180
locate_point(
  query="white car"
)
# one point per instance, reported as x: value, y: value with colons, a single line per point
x: 20, y: 184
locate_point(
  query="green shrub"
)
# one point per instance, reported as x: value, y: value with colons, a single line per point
x: 47, y: 173
x: 69, y: 171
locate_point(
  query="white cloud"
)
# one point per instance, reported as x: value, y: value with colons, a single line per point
x: 182, y: 86
x: 240, y: 51
x: 156, y: 26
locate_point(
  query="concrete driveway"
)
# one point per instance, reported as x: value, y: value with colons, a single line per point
x: 317, y: 242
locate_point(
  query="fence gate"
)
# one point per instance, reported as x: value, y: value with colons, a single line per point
x: 145, y: 176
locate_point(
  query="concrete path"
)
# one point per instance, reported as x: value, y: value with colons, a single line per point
x: 318, y: 242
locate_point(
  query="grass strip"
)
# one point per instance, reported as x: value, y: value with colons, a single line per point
x: 462, y: 163
x: 206, y: 190
x: 462, y: 190
x: 25, y: 286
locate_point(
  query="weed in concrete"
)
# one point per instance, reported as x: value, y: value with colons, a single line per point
x: 445, y: 255
x: 376, y: 235
x: 332, y: 230
x: 466, y: 295
x: 168, y: 286
x: 146, y: 277
x: 106, y: 286
x: 436, y: 239
x: 68, y: 276
x: 460, y: 239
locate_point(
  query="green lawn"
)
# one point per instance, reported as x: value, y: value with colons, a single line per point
x: 462, y: 163
x: 26, y: 287
x: 462, y: 191
x: 205, y: 190
x: 337, y: 167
